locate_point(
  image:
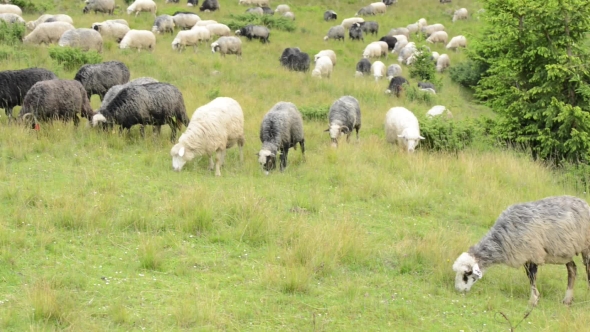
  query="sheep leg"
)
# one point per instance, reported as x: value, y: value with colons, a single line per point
x: 531, y: 272
x: 8, y: 111
x: 241, y: 147
x: 586, y: 259
x: 302, y: 145
x: 220, y: 155
x: 211, y: 163
x: 357, y: 133
x: 284, y: 153
x: 571, y: 279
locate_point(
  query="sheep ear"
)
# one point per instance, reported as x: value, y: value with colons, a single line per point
x: 477, y: 272
x: 327, y: 130
x: 422, y: 137
x: 181, y: 151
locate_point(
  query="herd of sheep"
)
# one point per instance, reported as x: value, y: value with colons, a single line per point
x: 548, y: 231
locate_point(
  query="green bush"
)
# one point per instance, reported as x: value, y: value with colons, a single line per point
x: 30, y: 7
x: 424, y: 68
x: 11, y: 53
x: 271, y: 22
x: 11, y: 34
x: 315, y: 113
x: 413, y: 93
x: 444, y: 134
x: 467, y: 73
x: 72, y: 58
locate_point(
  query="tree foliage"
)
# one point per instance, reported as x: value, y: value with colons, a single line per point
x: 537, y: 77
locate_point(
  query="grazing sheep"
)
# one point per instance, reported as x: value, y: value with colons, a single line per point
x: 442, y: 63
x: 371, y: 27
x: 402, y: 41
x: 406, y: 53
x: 366, y: 11
x: 163, y: 24
x: 103, y: 6
x: 289, y: 15
x: 456, y: 42
x: 259, y: 3
x: 378, y: 69
x: 142, y: 6
x: 139, y: 39
x: 47, y: 33
x: 281, y: 129
x: 348, y: 22
x: 14, y: 84
x: 434, y: 56
x: 192, y: 3
x: 379, y: 7
x: 391, y: 41
x: 214, y: 128
x: 254, y: 31
x: 190, y: 38
x: 363, y: 67
x: 399, y: 31
x: 323, y: 67
x: 11, y: 18
x: 330, y: 15
x: 413, y: 28
x: 430, y: 29
x: 372, y: 51
x: 335, y: 32
x: 389, y: 2
x: 282, y: 9
x: 115, y: 89
x: 110, y: 29
x: 396, y: 85
x: 438, y: 110
x: 255, y: 11
x: 153, y: 104
x: 422, y: 23
x: 402, y: 127
x: 99, y: 78
x: 227, y: 45
x: 356, y: 32
x: 426, y: 85
x: 438, y: 37
x: 185, y: 21
x: 49, y: 18
x: 329, y: 53
x: 11, y: 9
x: 294, y: 59
x: 549, y: 231
x: 460, y: 14
x: 393, y: 71
x: 205, y: 23
x: 56, y: 100
x: 343, y: 118
x: 218, y: 29
x: 267, y: 11
x: 209, y: 6
x: 84, y: 39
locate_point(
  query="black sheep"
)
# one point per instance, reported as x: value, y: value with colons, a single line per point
x: 99, y: 78
x: 14, y: 85
x: 294, y: 59
x: 209, y: 5
x: 330, y: 15
x: 191, y: 3
x: 395, y: 85
x: 363, y: 67
x: 391, y: 41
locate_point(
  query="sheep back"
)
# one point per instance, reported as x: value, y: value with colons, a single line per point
x: 282, y: 126
x: 99, y: 78
x: 14, y: 85
x: 47, y: 33
x: 84, y: 39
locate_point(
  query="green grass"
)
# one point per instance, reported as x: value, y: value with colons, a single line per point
x: 97, y: 233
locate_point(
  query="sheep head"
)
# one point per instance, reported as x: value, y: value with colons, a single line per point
x: 267, y: 159
x: 180, y: 155
x: 468, y: 272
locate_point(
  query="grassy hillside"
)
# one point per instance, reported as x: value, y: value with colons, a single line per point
x: 98, y: 233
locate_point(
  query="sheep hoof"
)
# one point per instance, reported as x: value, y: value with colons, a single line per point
x: 568, y: 300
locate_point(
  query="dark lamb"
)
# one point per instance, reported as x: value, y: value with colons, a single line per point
x: 153, y: 104
x: 364, y: 66
x: 210, y: 5
x: 391, y: 41
x: 14, y: 85
x: 294, y: 59
x: 56, y: 100
x: 356, y: 32
x: 395, y: 85
x: 99, y: 78
x: 330, y: 15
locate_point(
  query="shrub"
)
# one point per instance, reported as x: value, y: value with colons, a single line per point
x: 413, y: 93
x: 271, y: 22
x: 10, y: 53
x: 423, y: 67
x: 30, y: 7
x: 317, y: 113
x: 444, y: 134
x: 11, y: 34
x: 72, y: 58
x: 467, y: 73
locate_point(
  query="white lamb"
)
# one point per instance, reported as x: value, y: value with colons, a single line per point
x: 422, y: 23
x: 402, y: 127
x: 460, y: 14
x: 139, y: 39
x: 111, y: 29
x: 218, y: 29
x: 378, y: 70
x: 438, y: 37
x: 379, y: 7
x: 11, y: 9
x: 282, y: 9
x: 348, y: 22
x: 372, y: 50
x: 47, y: 33
x: 190, y: 38
x: 329, y: 53
x: 142, y: 6
x: 214, y: 128
x: 456, y: 42
x: 430, y: 29
x: 442, y: 63
x: 323, y: 67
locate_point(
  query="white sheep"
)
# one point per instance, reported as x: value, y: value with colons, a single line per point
x: 323, y: 67
x: 430, y: 29
x: 190, y: 38
x: 402, y: 41
x: 329, y: 53
x: 84, y: 39
x: 11, y: 18
x: 47, y: 33
x: 402, y: 127
x: 460, y: 14
x: 438, y: 37
x: 399, y: 31
x: 111, y: 29
x: 438, y: 110
x: 142, y: 6
x: 282, y: 9
x: 139, y: 39
x: 422, y: 23
x: 204, y: 23
x: 378, y: 70
x: 218, y: 29
x: 379, y: 7
x: 373, y: 50
x: 11, y: 9
x: 186, y: 21
x: 227, y: 45
x: 214, y: 128
x: 413, y: 28
x: 348, y: 22
x: 49, y: 18
x: 456, y: 42
x: 442, y: 63
x: 393, y: 71
x: 435, y: 56
x: 406, y: 52
x: 289, y: 15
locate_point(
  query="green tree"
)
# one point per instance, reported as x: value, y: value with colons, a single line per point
x: 537, y: 78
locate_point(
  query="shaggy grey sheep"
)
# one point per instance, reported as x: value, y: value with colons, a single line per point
x: 163, y: 24
x: 99, y: 78
x: 549, y: 231
x: 268, y: 11
x: 227, y: 45
x: 363, y: 67
x: 293, y: 59
x: 281, y: 129
x: 391, y: 41
x: 396, y: 85
x: 103, y: 6
x: 254, y: 31
x: 393, y: 71
x: 335, y: 32
x: 83, y: 38
x: 153, y: 104
x: 209, y: 6
x: 356, y: 32
x: 371, y: 27
x: 56, y: 100
x: 330, y: 15
x: 14, y: 85
x: 214, y: 128
x: 389, y: 2
x: 344, y: 116
x: 366, y: 11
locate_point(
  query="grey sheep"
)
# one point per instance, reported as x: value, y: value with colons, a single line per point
x: 153, y: 104
x: 281, y: 129
x: 115, y: 89
x: 209, y: 6
x: 268, y: 11
x: 330, y: 15
x: 255, y: 31
x: 356, y: 32
x: 83, y: 38
x: 14, y: 85
x: 344, y: 116
x: 335, y: 32
x: 103, y: 6
x: 293, y: 59
x: 366, y: 11
x: 227, y: 45
x: 363, y: 67
x: 393, y: 71
x: 56, y: 100
x: 371, y: 27
x: 255, y: 11
x: 163, y: 24
x: 99, y: 78
x: 549, y: 231
x: 426, y: 85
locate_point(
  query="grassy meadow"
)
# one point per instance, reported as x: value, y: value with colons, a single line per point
x: 97, y: 233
